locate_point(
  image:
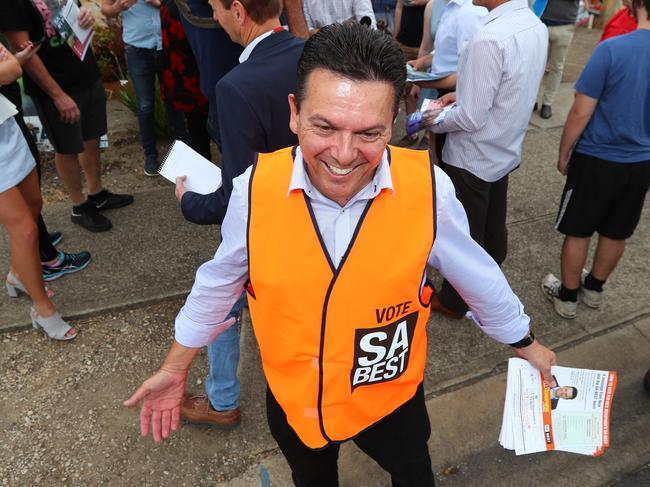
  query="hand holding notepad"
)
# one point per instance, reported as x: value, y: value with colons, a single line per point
x: 202, y: 176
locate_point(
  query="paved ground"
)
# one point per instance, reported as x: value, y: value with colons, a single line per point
x: 60, y: 404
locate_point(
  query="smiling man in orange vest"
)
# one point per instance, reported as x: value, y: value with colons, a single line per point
x: 331, y: 240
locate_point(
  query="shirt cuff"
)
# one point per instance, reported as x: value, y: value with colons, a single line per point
x: 507, y: 333
x: 196, y: 335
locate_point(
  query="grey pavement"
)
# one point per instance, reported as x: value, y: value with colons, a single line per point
x: 152, y: 254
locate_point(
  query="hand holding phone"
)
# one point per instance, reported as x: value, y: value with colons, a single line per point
x: 28, y: 49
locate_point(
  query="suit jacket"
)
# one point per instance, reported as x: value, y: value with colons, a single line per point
x: 253, y: 117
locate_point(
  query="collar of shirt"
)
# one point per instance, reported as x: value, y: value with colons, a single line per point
x: 249, y: 48
x: 504, y: 8
x: 382, y: 180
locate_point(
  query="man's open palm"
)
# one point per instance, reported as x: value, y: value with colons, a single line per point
x: 162, y: 394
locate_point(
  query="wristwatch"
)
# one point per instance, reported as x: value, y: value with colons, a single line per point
x: 524, y: 342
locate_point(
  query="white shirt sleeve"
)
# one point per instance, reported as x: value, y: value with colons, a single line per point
x: 219, y: 282
x: 363, y: 8
x: 472, y: 272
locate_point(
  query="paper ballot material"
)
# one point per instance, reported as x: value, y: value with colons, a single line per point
x: 572, y: 417
x: 202, y: 176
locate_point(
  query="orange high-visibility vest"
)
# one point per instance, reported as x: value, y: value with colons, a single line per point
x: 341, y: 348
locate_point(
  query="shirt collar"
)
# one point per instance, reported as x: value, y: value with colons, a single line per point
x: 381, y: 180
x: 504, y: 8
x: 243, y: 57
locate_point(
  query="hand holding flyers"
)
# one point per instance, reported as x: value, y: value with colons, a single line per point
x: 569, y: 414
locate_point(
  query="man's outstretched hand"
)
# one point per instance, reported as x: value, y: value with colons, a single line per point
x: 539, y: 357
x: 161, y: 394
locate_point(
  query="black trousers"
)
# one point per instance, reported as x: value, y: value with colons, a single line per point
x: 486, y: 205
x: 398, y: 443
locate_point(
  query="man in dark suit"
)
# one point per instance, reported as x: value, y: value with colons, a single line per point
x: 253, y: 115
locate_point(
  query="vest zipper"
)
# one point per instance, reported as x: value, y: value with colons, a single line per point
x: 336, y: 272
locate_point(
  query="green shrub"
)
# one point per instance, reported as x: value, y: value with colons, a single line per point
x: 109, y: 51
x: 126, y: 95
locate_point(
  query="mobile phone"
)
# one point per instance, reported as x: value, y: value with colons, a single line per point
x: 40, y: 41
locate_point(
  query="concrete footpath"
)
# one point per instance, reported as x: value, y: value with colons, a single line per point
x: 143, y: 267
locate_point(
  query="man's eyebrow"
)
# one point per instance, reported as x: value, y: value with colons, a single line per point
x: 320, y: 119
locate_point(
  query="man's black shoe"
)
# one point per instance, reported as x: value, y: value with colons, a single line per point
x: 88, y: 217
x: 105, y: 200
x: 151, y: 166
x: 546, y: 111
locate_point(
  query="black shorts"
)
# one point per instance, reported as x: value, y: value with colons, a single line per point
x: 69, y: 138
x: 602, y: 196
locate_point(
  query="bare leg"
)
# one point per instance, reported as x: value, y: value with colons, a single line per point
x: 608, y: 253
x: 67, y: 165
x: 574, y: 255
x: 90, y: 160
x: 18, y: 218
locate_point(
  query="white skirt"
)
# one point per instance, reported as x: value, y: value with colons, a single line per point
x: 16, y: 160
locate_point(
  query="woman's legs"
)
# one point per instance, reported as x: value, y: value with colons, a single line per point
x: 19, y: 209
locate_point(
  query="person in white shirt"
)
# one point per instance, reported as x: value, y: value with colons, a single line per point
x: 319, y: 13
x: 332, y: 196
x: 498, y: 75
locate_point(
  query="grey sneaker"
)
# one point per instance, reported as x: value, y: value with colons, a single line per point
x: 593, y: 299
x: 551, y: 289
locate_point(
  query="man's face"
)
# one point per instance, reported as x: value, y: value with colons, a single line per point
x: 564, y: 392
x: 226, y: 19
x: 343, y: 127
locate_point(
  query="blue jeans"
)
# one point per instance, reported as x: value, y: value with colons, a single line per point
x: 144, y: 65
x: 222, y: 383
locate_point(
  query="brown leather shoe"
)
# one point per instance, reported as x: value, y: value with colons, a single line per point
x: 196, y: 408
x: 438, y: 307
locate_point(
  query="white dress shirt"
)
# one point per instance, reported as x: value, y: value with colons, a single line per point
x: 499, y: 73
x: 459, y: 22
x: 319, y: 13
x: 455, y: 254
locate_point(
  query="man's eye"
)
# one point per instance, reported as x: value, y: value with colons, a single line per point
x: 370, y: 135
x: 324, y: 128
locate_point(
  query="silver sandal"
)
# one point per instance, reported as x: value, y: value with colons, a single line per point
x: 54, y: 326
x: 15, y: 287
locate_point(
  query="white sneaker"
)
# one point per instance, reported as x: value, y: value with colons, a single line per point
x: 551, y: 289
x: 593, y: 299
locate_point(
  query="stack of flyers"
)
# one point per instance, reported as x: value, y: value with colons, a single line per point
x: 414, y: 120
x: 412, y: 75
x: 66, y: 21
x: 571, y: 415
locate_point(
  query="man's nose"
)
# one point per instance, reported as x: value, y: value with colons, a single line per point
x: 344, y: 151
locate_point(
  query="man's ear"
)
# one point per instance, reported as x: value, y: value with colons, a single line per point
x: 240, y: 12
x: 293, y: 121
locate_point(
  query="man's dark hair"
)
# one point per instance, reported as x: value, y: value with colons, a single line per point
x: 259, y: 10
x: 635, y: 8
x: 575, y: 392
x: 355, y: 52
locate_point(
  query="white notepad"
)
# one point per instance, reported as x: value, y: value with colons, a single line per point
x: 202, y: 175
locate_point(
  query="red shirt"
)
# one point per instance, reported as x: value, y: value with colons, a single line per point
x: 621, y: 23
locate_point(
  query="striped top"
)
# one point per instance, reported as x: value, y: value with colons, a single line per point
x: 499, y: 73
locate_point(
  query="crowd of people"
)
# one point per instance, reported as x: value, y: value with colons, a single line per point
x: 301, y: 97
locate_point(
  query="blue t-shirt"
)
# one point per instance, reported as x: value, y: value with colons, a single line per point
x: 618, y: 76
x: 141, y: 26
